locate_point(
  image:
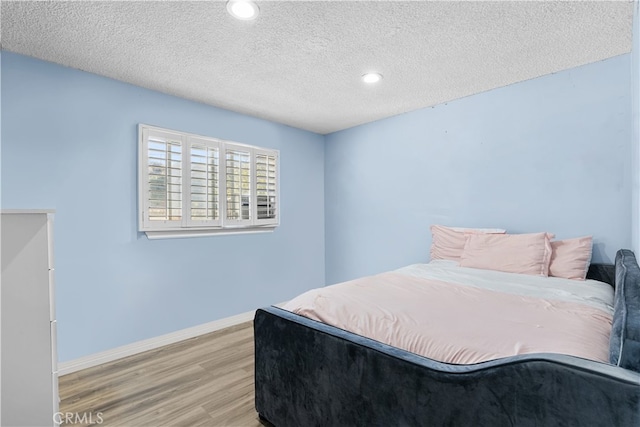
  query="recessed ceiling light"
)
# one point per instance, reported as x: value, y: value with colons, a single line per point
x: 242, y: 9
x: 371, y: 77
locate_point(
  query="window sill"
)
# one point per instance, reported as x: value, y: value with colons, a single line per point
x: 182, y: 234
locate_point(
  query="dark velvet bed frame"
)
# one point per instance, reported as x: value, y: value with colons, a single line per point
x: 311, y: 374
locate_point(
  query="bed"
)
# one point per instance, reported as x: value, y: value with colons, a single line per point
x: 309, y: 373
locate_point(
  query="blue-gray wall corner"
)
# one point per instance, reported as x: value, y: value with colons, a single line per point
x: 635, y: 141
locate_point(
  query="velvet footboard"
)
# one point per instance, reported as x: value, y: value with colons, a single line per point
x: 311, y: 374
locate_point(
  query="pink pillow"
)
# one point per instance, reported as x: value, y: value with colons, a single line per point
x: 570, y: 258
x: 512, y: 253
x: 448, y: 242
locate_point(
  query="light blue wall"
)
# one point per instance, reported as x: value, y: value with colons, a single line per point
x: 635, y: 108
x: 69, y: 142
x: 549, y: 154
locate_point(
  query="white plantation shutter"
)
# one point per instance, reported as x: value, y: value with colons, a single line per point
x: 162, y: 184
x: 204, y: 183
x: 193, y: 185
x: 238, y: 183
x: 266, y: 169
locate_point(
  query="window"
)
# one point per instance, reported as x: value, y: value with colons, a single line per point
x: 191, y: 185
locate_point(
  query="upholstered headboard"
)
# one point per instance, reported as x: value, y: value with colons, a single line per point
x: 624, y: 347
x: 603, y: 272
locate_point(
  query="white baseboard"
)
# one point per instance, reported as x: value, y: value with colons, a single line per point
x: 92, y: 360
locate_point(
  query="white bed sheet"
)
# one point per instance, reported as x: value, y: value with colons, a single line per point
x: 590, y: 292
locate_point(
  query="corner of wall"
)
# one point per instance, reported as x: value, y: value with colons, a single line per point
x: 325, y: 140
x: 635, y: 111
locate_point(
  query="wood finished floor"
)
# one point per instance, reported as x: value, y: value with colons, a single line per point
x: 202, y: 381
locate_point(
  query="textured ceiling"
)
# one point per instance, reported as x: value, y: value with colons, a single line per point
x: 300, y: 62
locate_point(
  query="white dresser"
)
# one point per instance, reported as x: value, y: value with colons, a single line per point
x: 29, y: 377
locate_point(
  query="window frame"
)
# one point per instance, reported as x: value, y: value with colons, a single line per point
x: 268, y: 153
x: 240, y: 222
x: 186, y: 226
x: 188, y: 221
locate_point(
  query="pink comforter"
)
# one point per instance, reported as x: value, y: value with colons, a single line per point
x: 454, y: 323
